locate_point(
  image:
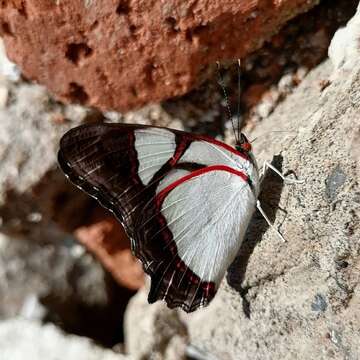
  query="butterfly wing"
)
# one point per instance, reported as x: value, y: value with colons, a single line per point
x: 184, y: 200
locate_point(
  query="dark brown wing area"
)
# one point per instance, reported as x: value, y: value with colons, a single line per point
x: 101, y: 159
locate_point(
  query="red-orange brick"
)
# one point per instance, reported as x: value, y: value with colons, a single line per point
x: 125, y: 53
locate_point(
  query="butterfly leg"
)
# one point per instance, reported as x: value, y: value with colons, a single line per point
x: 267, y: 165
x: 258, y: 206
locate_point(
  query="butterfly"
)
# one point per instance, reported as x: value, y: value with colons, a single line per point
x: 184, y: 200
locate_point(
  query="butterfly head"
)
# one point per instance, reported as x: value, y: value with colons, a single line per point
x: 243, y: 145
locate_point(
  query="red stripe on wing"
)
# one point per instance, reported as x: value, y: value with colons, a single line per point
x: 161, y: 195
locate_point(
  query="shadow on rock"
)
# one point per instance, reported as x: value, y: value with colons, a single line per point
x: 269, y: 197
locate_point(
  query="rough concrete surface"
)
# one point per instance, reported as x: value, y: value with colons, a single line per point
x: 123, y: 54
x: 299, y: 299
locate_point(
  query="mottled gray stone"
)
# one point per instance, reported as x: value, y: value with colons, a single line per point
x: 333, y: 182
x: 319, y: 303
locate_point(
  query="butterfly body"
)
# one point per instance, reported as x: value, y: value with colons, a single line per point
x: 184, y: 200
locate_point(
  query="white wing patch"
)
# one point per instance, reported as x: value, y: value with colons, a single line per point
x: 207, y: 153
x: 210, y: 221
x: 154, y: 149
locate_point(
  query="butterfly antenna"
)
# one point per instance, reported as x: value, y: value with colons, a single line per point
x: 239, y: 97
x: 222, y: 84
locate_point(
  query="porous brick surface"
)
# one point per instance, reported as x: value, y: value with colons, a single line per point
x: 122, y: 54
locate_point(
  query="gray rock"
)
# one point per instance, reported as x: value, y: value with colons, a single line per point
x: 333, y: 182
x: 154, y: 332
x: 37, y: 279
x: 58, y: 281
x: 8, y: 69
x: 319, y: 303
x: 21, y: 339
x: 344, y: 48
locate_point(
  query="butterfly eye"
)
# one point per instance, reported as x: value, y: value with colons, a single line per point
x: 246, y: 146
x: 244, y: 143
